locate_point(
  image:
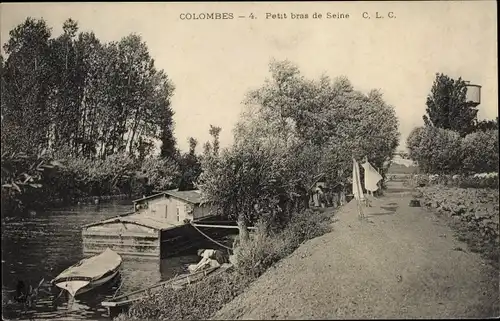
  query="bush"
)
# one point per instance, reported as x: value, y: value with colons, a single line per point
x: 480, y: 152
x: 44, y: 180
x: 439, y: 151
x: 263, y: 249
x: 413, y: 142
x: 259, y: 253
x: 309, y: 224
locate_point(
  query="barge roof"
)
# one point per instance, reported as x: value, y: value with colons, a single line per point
x: 136, y: 218
x: 193, y: 197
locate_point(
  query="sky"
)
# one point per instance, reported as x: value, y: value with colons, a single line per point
x: 213, y: 63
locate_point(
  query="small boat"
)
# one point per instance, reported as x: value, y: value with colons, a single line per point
x: 89, y: 273
x: 177, y: 282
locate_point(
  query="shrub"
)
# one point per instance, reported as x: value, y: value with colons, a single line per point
x: 259, y: 253
x: 263, y: 249
x: 480, y: 152
x: 413, y: 142
x: 439, y: 151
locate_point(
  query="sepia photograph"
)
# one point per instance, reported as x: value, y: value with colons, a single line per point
x: 249, y: 160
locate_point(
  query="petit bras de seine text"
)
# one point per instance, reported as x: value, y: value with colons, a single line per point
x: 282, y: 16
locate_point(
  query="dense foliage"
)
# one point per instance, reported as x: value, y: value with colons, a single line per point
x: 480, y: 152
x: 21, y: 177
x: 95, y: 98
x: 486, y: 125
x: 441, y: 151
x: 293, y: 132
x: 99, y: 108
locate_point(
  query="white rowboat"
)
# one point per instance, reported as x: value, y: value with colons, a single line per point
x: 89, y: 273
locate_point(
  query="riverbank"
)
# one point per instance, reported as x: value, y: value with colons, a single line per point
x: 403, y: 262
x: 203, y: 299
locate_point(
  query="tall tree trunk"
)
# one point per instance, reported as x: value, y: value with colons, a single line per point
x: 134, y: 129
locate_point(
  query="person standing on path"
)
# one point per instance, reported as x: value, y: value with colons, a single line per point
x: 336, y: 190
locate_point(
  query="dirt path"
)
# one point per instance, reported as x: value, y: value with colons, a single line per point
x: 401, y: 263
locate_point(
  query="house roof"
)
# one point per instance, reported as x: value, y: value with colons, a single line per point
x: 193, y: 197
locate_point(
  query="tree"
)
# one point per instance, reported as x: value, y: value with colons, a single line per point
x: 215, y: 133
x: 167, y: 138
x: 190, y: 167
x: 289, y: 109
x: 413, y: 142
x: 100, y: 104
x: 207, y: 149
x: 25, y: 88
x: 67, y: 76
x: 159, y: 172
x: 98, y: 99
x: 240, y: 179
x: 439, y: 151
x: 447, y: 107
x: 214, y: 146
x: 292, y: 131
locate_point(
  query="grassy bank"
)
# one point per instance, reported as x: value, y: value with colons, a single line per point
x: 201, y: 300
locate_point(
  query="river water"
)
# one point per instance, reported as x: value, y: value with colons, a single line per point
x: 42, y: 246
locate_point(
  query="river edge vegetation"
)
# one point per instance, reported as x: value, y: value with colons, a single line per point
x: 81, y: 118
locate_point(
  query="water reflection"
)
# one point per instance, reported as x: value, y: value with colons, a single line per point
x: 41, y: 247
